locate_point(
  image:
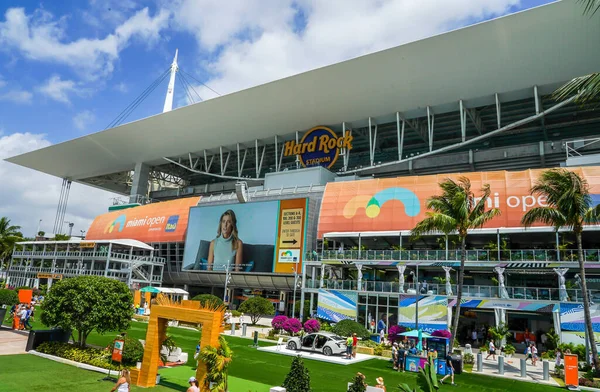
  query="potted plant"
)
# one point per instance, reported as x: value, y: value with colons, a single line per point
x: 509, y: 350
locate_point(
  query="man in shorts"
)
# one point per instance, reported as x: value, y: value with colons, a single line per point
x: 354, y: 345
x: 401, y: 357
x: 349, y: 347
x: 449, y: 369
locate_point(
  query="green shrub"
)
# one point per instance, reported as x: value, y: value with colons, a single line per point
x: 8, y: 297
x: 90, y: 356
x: 208, y: 299
x: 235, y: 313
x: 348, y: 327
x: 325, y: 326
x: 367, y: 343
x: 133, y: 351
x: 378, y: 349
x: 468, y: 358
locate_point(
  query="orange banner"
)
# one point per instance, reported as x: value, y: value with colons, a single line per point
x: 290, y: 235
x: 156, y: 222
x: 571, y: 370
x: 394, y: 204
x: 25, y: 296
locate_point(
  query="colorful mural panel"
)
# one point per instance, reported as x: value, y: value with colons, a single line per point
x: 336, y: 305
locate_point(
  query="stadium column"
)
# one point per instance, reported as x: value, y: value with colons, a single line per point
x: 139, y: 185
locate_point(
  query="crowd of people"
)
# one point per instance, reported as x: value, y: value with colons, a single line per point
x: 22, y: 316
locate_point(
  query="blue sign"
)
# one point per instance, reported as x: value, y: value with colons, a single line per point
x: 172, y: 223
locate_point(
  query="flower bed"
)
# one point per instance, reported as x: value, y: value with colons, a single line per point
x: 88, y: 355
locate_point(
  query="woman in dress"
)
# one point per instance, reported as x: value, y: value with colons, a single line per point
x: 123, y: 383
x: 226, y: 249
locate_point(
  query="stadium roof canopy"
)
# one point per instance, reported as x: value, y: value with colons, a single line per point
x: 505, y: 58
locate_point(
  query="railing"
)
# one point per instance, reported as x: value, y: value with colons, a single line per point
x: 61, y: 271
x: 90, y: 254
x: 523, y: 293
x: 513, y: 255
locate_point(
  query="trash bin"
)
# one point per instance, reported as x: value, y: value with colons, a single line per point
x: 41, y: 336
x: 457, y: 363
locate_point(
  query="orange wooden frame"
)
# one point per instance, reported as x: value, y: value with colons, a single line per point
x: 188, y: 311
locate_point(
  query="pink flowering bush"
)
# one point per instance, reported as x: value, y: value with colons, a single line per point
x: 292, y: 325
x: 312, y: 325
x: 442, y: 333
x: 278, y: 321
x: 394, y: 331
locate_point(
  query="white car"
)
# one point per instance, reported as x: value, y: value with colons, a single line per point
x: 323, y: 342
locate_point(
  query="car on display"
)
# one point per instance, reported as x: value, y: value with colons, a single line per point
x: 321, y: 342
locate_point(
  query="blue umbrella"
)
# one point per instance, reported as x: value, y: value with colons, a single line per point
x: 415, y: 334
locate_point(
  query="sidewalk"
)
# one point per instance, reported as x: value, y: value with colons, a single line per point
x: 512, y: 369
x: 12, y: 342
x: 262, y: 326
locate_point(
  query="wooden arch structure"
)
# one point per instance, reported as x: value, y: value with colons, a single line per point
x: 211, y: 318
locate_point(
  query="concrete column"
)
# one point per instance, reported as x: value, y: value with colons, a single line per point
x: 479, y: 362
x: 523, y: 368
x: 500, y: 365
x: 546, y: 374
x: 139, y: 186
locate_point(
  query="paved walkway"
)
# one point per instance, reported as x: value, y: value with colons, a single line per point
x: 12, y: 342
x: 512, y: 369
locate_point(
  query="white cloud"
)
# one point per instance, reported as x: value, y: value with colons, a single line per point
x: 39, y: 36
x: 257, y: 41
x: 28, y: 196
x: 121, y: 87
x: 84, y: 119
x: 59, y: 89
x: 16, y: 96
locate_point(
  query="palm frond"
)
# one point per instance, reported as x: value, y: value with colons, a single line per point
x: 546, y: 215
x: 592, y: 215
x: 590, y: 7
x: 483, y: 218
x: 588, y: 86
x: 434, y: 222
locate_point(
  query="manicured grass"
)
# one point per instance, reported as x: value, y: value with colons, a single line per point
x: 251, y: 370
x: 28, y: 373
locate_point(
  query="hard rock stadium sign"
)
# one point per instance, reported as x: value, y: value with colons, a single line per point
x: 320, y: 146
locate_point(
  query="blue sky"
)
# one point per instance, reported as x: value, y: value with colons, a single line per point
x: 67, y: 68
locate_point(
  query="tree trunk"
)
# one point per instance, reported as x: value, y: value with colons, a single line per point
x: 586, y: 303
x: 461, y: 273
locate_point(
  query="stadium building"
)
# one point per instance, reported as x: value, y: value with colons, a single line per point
x: 326, y: 173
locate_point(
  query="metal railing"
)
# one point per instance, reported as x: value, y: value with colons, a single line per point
x: 523, y: 293
x: 512, y: 255
x: 60, y: 271
x: 90, y: 255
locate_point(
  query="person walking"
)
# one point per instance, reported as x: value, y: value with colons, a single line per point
x: 194, y: 385
x: 534, y: 353
x: 29, y: 317
x: 123, y: 383
x: 492, y: 351
x: 449, y: 369
x: 395, y: 355
x: 557, y: 360
x: 529, y: 354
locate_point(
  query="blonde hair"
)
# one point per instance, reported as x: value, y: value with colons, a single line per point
x: 234, y: 231
x: 125, y: 374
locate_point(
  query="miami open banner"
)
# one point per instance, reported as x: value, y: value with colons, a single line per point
x: 395, y: 204
x: 433, y: 312
x: 336, y: 306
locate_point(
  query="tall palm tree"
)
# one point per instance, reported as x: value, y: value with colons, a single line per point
x: 217, y: 361
x: 588, y: 86
x: 456, y: 210
x: 9, y: 234
x: 569, y: 205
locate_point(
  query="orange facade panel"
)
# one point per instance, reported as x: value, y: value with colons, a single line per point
x: 158, y: 222
x: 394, y: 204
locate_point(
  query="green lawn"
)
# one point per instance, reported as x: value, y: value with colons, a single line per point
x: 251, y: 370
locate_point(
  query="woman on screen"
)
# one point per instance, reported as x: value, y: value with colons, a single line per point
x: 227, y: 247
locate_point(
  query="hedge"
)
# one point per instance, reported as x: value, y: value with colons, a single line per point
x: 88, y: 355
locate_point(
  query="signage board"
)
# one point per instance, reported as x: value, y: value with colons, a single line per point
x: 117, y: 353
x: 571, y: 370
x: 87, y: 245
x: 320, y: 146
x: 49, y: 276
x: 290, y: 235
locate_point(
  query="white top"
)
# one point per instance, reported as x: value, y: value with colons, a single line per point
x: 492, y: 347
x: 123, y: 387
x: 528, y: 350
x: 194, y: 388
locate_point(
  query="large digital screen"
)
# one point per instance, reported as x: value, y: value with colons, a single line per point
x: 250, y: 237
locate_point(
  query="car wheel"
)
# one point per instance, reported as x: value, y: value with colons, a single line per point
x: 327, y: 351
x: 292, y: 346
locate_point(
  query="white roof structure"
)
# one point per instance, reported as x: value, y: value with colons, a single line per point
x: 78, y: 241
x: 170, y: 290
x: 542, y: 47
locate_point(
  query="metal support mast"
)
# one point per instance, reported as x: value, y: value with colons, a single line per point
x: 169, y: 98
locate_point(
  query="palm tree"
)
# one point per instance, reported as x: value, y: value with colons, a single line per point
x: 217, y: 361
x: 569, y: 205
x: 456, y: 210
x: 9, y: 234
x: 588, y: 86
